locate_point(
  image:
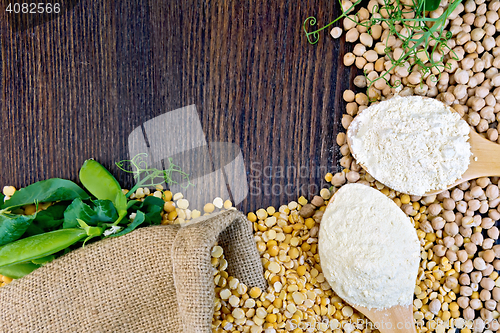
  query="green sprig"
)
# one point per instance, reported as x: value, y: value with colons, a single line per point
x: 423, y: 46
x: 138, y: 166
x: 312, y: 21
x: 424, y: 35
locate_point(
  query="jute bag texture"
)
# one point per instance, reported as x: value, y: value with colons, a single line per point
x: 155, y: 279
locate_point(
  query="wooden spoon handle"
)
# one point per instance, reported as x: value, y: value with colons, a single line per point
x: 485, y: 159
x: 398, y: 319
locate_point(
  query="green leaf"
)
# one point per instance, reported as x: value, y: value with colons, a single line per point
x: 153, y: 215
x: 430, y: 5
x: 2, y: 197
x: 17, y: 271
x: 132, y: 203
x: 105, y: 211
x: 101, y: 183
x: 54, y: 189
x: 91, y: 231
x: 47, y: 220
x: 153, y: 201
x: 152, y: 208
x: 55, y: 211
x: 78, y: 210
x: 33, y: 230
x: 139, y: 219
x: 13, y: 226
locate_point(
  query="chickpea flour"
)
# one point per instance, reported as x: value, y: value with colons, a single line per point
x: 411, y: 144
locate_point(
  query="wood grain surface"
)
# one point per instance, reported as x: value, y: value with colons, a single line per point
x: 76, y: 86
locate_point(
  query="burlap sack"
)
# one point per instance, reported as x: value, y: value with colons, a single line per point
x: 155, y: 279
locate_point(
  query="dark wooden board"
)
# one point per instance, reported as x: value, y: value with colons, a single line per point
x: 75, y: 87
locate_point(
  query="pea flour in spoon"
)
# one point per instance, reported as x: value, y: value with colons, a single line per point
x: 369, y: 249
x: 411, y: 144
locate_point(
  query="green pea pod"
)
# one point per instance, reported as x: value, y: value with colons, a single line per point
x: 39, y: 246
x: 44, y: 260
x: 17, y: 271
x: 103, y: 186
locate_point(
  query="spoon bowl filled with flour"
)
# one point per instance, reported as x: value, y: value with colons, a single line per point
x: 413, y: 144
x: 370, y: 254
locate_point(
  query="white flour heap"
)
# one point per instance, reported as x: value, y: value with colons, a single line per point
x: 411, y: 144
x: 368, y: 248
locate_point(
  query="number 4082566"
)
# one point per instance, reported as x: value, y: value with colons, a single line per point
x: 33, y: 8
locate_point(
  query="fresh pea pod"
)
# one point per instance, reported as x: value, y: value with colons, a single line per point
x: 101, y: 183
x: 39, y: 246
x: 43, y: 260
x: 17, y: 271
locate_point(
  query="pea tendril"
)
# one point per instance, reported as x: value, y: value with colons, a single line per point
x: 138, y: 166
x: 312, y: 21
x: 424, y: 40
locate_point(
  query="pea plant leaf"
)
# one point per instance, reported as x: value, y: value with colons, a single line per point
x: 54, y: 189
x: 153, y: 215
x: 13, y: 226
x: 105, y: 210
x: 138, y: 220
x: 79, y: 210
x: 47, y: 220
x: 151, y: 207
x: 153, y: 201
x: 33, y: 230
x: 430, y: 5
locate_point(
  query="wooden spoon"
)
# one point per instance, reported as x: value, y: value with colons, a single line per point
x: 394, y: 319
x: 484, y: 162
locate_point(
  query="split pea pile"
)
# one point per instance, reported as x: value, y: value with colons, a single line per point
x: 457, y: 285
x: 176, y: 208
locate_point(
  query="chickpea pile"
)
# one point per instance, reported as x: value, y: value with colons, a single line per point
x: 470, y: 83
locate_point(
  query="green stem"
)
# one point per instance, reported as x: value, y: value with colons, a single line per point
x: 312, y: 20
x: 141, y: 183
x: 439, y: 24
